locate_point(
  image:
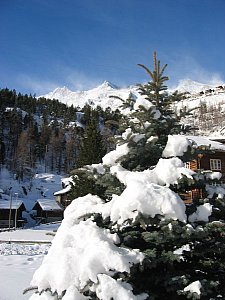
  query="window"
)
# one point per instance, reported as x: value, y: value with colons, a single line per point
x: 215, y: 164
x: 187, y: 165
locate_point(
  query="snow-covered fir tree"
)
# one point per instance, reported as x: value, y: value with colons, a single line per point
x: 141, y: 242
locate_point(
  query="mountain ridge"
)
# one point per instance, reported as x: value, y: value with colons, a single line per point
x: 102, y: 94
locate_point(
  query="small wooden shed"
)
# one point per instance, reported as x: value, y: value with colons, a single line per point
x: 11, y: 213
x: 48, y: 210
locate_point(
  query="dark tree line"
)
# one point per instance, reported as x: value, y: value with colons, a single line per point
x: 42, y: 134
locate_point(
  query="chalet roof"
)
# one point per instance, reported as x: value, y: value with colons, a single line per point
x: 66, y: 183
x: 205, y: 141
x: 63, y: 191
x: 5, y: 204
x: 220, y: 138
x: 48, y: 205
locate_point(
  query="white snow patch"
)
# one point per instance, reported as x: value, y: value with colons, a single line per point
x: 149, y: 199
x: 214, y: 175
x: 176, y: 146
x: 140, y: 101
x: 194, y: 287
x: 79, y: 253
x: 157, y: 114
x: 202, y: 214
x: 218, y: 190
x: 166, y: 172
x: 96, y: 167
x: 205, y: 141
x: 111, y: 157
x: 182, y: 249
x: 110, y: 288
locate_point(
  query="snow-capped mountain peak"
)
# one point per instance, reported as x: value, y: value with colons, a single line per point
x: 108, y: 84
x: 192, y: 87
x: 58, y: 93
x: 101, y: 95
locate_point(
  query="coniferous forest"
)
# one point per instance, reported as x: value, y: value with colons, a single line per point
x: 43, y: 135
x: 49, y: 136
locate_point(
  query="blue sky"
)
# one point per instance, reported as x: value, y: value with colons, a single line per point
x: 81, y: 43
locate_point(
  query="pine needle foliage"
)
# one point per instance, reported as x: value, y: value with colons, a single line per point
x: 154, y: 121
x: 92, y: 148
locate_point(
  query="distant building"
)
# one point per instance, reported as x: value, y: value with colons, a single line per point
x: 62, y: 195
x: 212, y: 159
x: 17, y: 208
x: 48, y: 210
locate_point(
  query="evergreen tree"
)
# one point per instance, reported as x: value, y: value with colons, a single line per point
x: 71, y: 149
x: 92, y: 148
x: 180, y: 249
x: 152, y: 121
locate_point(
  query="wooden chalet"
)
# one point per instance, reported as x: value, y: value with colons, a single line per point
x: 11, y: 214
x: 62, y: 196
x: 48, y: 210
x: 212, y: 159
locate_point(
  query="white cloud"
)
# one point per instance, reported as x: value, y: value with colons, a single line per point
x: 74, y: 80
x: 186, y: 67
x: 77, y: 80
x: 35, y: 85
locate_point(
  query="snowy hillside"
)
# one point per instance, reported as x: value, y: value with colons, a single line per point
x: 198, y: 93
x: 213, y: 96
x: 192, y: 87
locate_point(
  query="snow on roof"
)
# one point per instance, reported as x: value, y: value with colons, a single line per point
x: 177, y: 145
x: 66, y: 183
x: 218, y: 138
x: 205, y: 141
x: 63, y: 191
x: 49, y: 204
x: 5, y: 204
x: 1, y: 191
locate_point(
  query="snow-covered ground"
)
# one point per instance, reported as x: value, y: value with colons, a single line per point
x: 19, y: 261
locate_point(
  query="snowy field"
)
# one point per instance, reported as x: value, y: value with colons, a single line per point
x: 19, y: 261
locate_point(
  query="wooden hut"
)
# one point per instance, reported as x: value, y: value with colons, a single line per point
x: 11, y: 213
x: 48, y: 210
x: 62, y: 196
